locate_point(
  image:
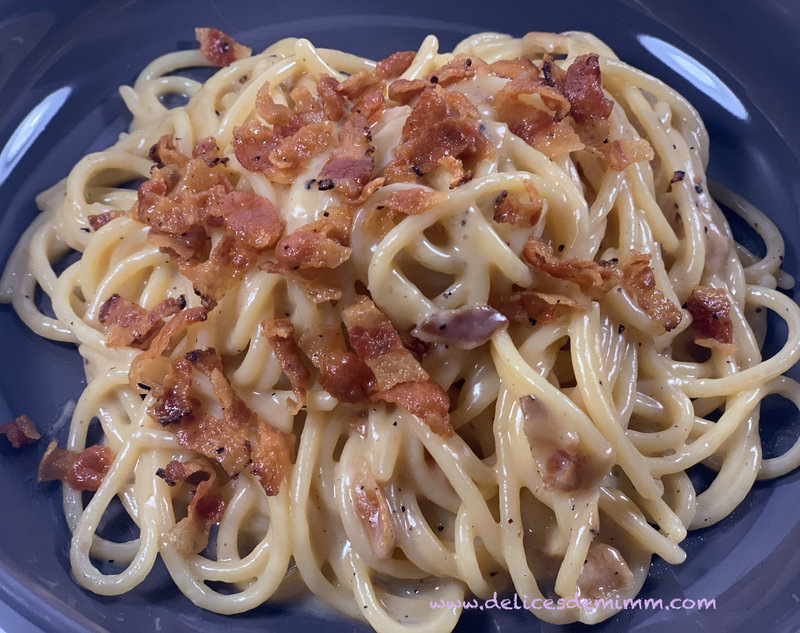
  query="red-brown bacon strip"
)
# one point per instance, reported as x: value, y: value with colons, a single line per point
x: 351, y: 162
x: 190, y: 534
x: 192, y: 472
x: 321, y: 244
x: 180, y: 193
x: 332, y: 102
x: 513, y: 68
x: 235, y: 440
x: 595, y: 279
x: 342, y: 373
x: 280, y: 151
x: 357, y: 84
x: 590, y: 110
x: 710, y: 310
x: 99, y: 220
x: 220, y: 48
x: 374, y: 338
x: 271, y: 453
x: 129, y: 325
x: 251, y: 218
x: 525, y: 305
x: 413, y: 201
x: 509, y: 209
x: 538, y: 127
x: 138, y: 374
x: 399, y: 378
x: 639, y: 280
x: 193, y: 244
x: 584, y: 91
x: 442, y: 124
x: 425, y: 399
x: 20, y: 431
x: 83, y: 470
x: 206, y: 434
x: 173, y: 403
x: 280, y: 334
x: 394, y: 65
x: 229, y: 260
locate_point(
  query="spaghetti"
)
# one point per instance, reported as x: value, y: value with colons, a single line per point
x: 444, y: 324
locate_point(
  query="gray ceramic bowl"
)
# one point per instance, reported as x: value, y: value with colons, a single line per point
x: 736, y: 61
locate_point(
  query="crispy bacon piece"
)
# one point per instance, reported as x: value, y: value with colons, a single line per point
x: 306, y: 106
x: 604, y: 571
x: 441, y: 124
x: 595, y: 279
x: 357, y: 84
x: 129, y: 325
x: 332, y: 102
x: 406, y: 90
x: 180, y: 193
x: 525, y: 305
x: 513, y: 68
x: 342, y: 373
x: 192, y: 472
x: 394, y: 65
x: 622, y: 152
x: 537, y: 127
x: 413, y: 201
x: 137, y: 375
x: 466, y: 327
x: 321, y: 244
x: 639, y: 280
x: 271, y: 453
x: 710, y: 310
x: 235, y: 440
x: 251, y: 218
x: 207, y: 151
x: 229, y: 260
x: 553, y: 73
x: 459, y: 68
x: 190, y: 534
x: 83, y: 470
x: 99, y: 220
x: 371, y: 104
x: 454, y: 167
x: 415, y: 345
x: 173, y: 403
x: 373, y: 511
x: 318, y: 284
x: 280, y: 151
x: 560, y: 459
x: 375, y: 340
x: 191, y: 244
x: 583, y: 89
x: 426, y: 399
x: 351, y: 162
x: 207, y: 434
x: 163, y: 152
x: 509, y: 209
x: 280, y: 334
x: 20, y: 431
x: 220, y: 48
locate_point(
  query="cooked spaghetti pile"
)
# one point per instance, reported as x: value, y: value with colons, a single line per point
x: 405, y: 331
